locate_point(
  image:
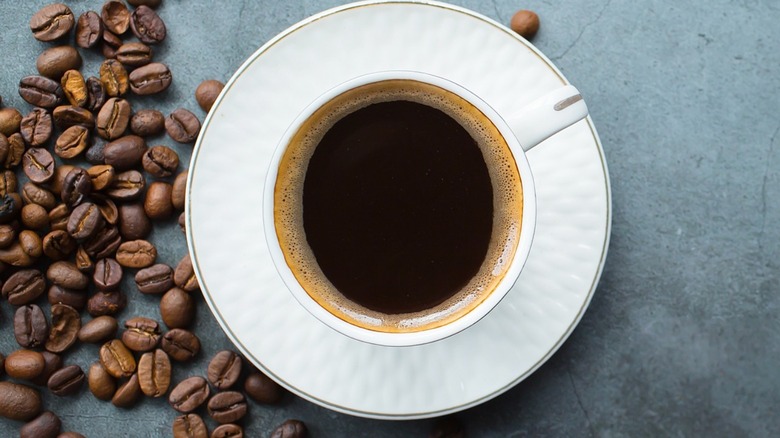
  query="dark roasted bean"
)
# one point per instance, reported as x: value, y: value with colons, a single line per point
x: 228, y: 431
x: 34, y: 217
x: 157, y: 203
x: 106, y: 303
x: 150, y: 79
x: 184, y: 275
x: 96, y: 94
x: 66, y: 116
x: 33, y: 194
x: 16, y: 148
x: 89, y: 30
x: 104, y: 243
x: 52, y: 363
x: 30, y: 326
x: 66, y: 274
x: 147, y: 122
x: 36, y: 127
x: 15, y: 255
x: 290, y: 429
x: 227, y: 407
x: 38, y: 165
x: 136, y: 254
x: 76, y: 186
x: 111, y: 42
x: 182, y: 345
x: 127, y: 185
x: 7, y: 235
x: 133, y: 222
x: 147, y: 26
x: 160, y: 161
x: 40, y: 91
x: 51, y: 22
x: 134, y: 54
x: 107, y: 275
x: 46, y: 425
x: 58, y: 217
x: 24, y: 287
x: 177, y: 309
x: 83, y: 261
x: 94, y: 154
x: 98, y: 330
x: 262, y: 389
x: 58, y: 244
x: 73, y: 298
x: 66, y: 381
x: 107, y: 207
x: 31, y: 243
x: 207, y: 92
x: 155, y: 279
x: 182, y: 126
x: 125, y: 152
x: 85, y: 221
x: 24, y: 364
x: 102, y: 176
x: 141, y: 334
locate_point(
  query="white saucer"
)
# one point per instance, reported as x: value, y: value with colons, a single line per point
x: 241, y: 285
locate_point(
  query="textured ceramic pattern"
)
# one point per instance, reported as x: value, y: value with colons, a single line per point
x: 251, y: 302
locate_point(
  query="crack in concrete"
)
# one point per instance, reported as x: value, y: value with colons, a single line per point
x: 579, y: 402
x: 582, y: 31
x: 763, y: 188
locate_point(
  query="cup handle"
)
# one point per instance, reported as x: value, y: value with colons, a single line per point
x: 548, y: 115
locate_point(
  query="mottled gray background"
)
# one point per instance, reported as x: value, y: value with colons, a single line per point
x: 681, y: 338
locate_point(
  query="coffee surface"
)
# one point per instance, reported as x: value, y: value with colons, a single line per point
x: 398, y: 206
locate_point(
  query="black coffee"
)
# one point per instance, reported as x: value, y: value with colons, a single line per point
x: 398, y: 206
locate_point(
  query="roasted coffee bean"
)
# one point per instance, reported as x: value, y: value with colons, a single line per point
x: 133, y: 222
x: 85, y: 221
x: 189, y: 426
x: 113, y: 76
x: 182, y: 126
x: 111, y: 43
x: 154, y: 373
x: 150, y: 3
x: 113, y: 118
x: 76, y: 187
x: 33, y: 194
x: 177, y: 309
x: 94, y: 154
x: 15, y: 255
x: 147, y: 122
x: 224, y: 369
x: 227, y: 407
x: 96, y: 94
x: 40, y: 91
x: 65, y: 326
x: 107, y: 275
x: 98, y: 330
x: 66, y: 116
x: 72, y: 142
x: 51, y: 22
x: 66, y: 381
x: 31, y: 243
x: 52, y: 363
x: 290, y: 429
x: 117, y: 359
x: 228, y: 431
x: 46, y: 425
x: 101, y: 384
x: 125, y: 152
x: 73, y: 298
x: 58, y: 244
x: 106, y: 303
x: 179, y: 193
x: 150, y: 79
x: 147, y: 26
x: 24, y: 287
x: 184, y: 275
x: 10, y: 120
x: 67, y: 275
x: 262, y: 389
x: 127, y: 185
x: 108, y: 208
x: 116, y: 17
x: 157, y: 203
x: 7, y: 235
x: 525, y: 23
x: 34, y: 217
x: 84, y: 261
x: 89, y: 30
x: 24, y: 364
x: 74, y: 88
x: 207, y: 92
x: 136, y: 254
x: 155, y: 279
x: 60, y: 172
x: 128, y: 393
x: 8, y: 182
x: 134, y: 54
x: 181, y: 345
x: 38, y: 165
x: 189, y: 394
x: 58, y: 217
x: 104, y: 243
x: 19, y: 402
x: 141, y: 334
x: 55, y: 61
x: 102, y: 176
x: 160, y: 161
x: 16, y: 148
x: 31, y: 329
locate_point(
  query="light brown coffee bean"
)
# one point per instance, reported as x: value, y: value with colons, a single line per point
x: 189, y: 426
x: 10, y: 121
x: 58, y: 217
x: 31, y: 243
x: 60, y: 172
x: 141, y: 334
x: 102, y: 176
x: 89, y: 30
x: 51, y: 22
x: 19, y: 402
x: 34, y: 217
x: 179, y: 192
x: 66, y: 116
x: 134, y: 54
x: 83, y: 261
x: 182, y: 126
x: 116, y: 17
x: 117, y: 359
x: 24, y: 287
x: 67, y: 275
x: 228, y: 431
x: 46, y: 425
x: 177, y: 308
x: 58, y: 245
x: 155, y: 279
x: 24, y: 364
x: 207, y: 92
x: 55, y: 61
x: 128, y: 393
x: 72, y: 142
x: 525, y: 23
x: 33, y: 194
x: 7, y: 235
x: 181, y: 345
x: 227, y: 407
x: 40, y: 91
x: 66, y: 381
x: 98, y: 330
x: 189, y: 394
x: 38, y: 165
x: 125, y: 152
x: 111, y: 43
x: 75, y: 88
x: 85, y: 221
x: 224, y: 369
x: 154, y: 373
x: 36, y: 127
x: 114, y: 77
x: 8, y: 183
x: 113, y: 118
x: 136, y: 254
x: 262, y: 389
x: 160, y: 161
x: 16, y: 148
x: 184, y: 275
x: 106, y: 303
x: 107, y: 208
x: 157, y: 203
x: 133, y: 222
x: 65, y: 326
x: 149, y: 79
x: 15, y: 255
x: 101, y: 384
x: 147, y: 122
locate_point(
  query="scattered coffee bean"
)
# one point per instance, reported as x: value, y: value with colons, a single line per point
x: 51, y: 22
x: 58, y: 245
x: 104, y: 243
x: 141, y: 334
x: 147, y: 122
x: 101, y: 384
x: 34, y: 217
x: 72, y: 142
x: 85, y: 221
x: 76, y: 186
x: 136, y: 254
x: 75, y: 88
x: 46, y: 425
x: 224, y: 369
x: 8, y: 182
x: 24, y: 287
x: 102, y: 176
x: 525, y: 23
x: 40, y: 91
x: 30, y: 326
x: 24, y: 364
x: 113, y: 76
x: 133, y: 222
x: 19, y: 402
x: 66, y: 381
x: 15, y: 255
x: 10, y: 120
x: 128, y: 393
x: 150, y: 79
x: 60, y: 295
x: 111, y: 43
x: 30, y: 242
x: 125, y: 152
x: 290, y: 429
x: 189, y: 394
x: 96, y: 94
x: 106, y: 303
x: 7, y: 235
x: 83, y: 261
x: 189, y: 426
x: 98, y: 330
x: 154, y: 373
x: 134, y: 54
x: 117, y: 359
x: 66, y: 116
x: 157, y: 203
x: 116, y: 17
x: 207, y: 92
x: 33, y: 194
x: 64, y: 330
x: 55, y: 61
x: 108, y: 208
x: 89, y: 30
x: 160, y: 161
x: 67, y: 275
x: 107, y: 275
x: 16, y: 148
x: 228, y: 431
x: 182, y: 126
x: 58, y: 217
x: 181, y: 345
x: 227, y: 407
x: 52, y: 363
x: 113, y: 118
x: 147, y: 26
x: 38, y: 165
x: 177, y: 309
x: 262, y: 389
x: 179, y: 193
x: 184, y: 275
x: 155, y: 279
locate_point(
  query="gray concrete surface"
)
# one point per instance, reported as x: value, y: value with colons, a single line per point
x: 681, y: 338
